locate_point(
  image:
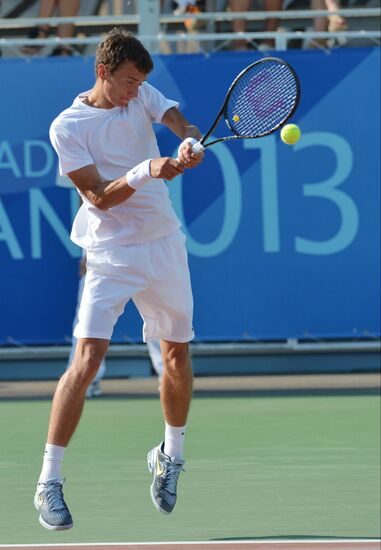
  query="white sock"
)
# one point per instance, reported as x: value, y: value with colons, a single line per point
x: 51, y: 466
x: 174, y: 441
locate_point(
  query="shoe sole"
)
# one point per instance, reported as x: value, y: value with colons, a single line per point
x: 151, y: 469
x: 51, y: 527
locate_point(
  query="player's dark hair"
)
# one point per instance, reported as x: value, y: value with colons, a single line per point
x: 119, y: 46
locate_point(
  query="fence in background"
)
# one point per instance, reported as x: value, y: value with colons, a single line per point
x: 159, y: 32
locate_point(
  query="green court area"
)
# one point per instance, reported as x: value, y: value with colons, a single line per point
x: 257, y: 467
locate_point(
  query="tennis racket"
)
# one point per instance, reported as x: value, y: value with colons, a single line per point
x: 259, y: 101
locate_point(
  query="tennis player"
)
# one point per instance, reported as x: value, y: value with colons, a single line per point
x: 135, y: 250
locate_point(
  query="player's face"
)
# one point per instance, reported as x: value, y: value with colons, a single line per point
x: 123, y: 84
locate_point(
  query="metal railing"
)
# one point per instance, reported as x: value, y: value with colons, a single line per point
x: 291, y: 346
x: 97, y: 20
x: 164, y: 22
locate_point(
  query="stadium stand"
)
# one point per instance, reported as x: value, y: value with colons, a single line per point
x: 212, y: 32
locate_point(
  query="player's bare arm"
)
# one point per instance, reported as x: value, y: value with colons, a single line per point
x: 176, y: 121
x: 106, y: 194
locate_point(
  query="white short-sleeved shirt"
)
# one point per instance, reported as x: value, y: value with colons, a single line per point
x: 116, y: 140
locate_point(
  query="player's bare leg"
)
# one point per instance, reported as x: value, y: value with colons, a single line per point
x: 70, y: 394
x: 165, y: 462
x: 177, y: 383
x: 66, y: 412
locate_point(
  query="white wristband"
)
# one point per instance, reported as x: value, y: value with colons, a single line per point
x: 139, y: 175
x: 190, y: 140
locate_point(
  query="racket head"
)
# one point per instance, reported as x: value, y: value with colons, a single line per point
x: 262, y: 98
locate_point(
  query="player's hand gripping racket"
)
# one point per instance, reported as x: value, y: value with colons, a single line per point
x: 259, y: 101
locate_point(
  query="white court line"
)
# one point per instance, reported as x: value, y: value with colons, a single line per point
x: 171, y: 543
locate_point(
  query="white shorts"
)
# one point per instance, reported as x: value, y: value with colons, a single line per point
x: 154, y: 274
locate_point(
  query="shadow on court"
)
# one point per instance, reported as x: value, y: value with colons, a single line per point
x: 295, y: 538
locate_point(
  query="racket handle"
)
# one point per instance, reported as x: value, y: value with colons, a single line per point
x: 198, y: 147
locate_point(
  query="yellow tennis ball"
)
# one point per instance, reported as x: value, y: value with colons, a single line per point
x: 236, y: 118
x: 290, y: 134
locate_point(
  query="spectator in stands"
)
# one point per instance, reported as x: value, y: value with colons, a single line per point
x: 332, y: 23
x: 185, y: 6
x: 188, y: 7
x: 65, y: 8
x: 239, y: 25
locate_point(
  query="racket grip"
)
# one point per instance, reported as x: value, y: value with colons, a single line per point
x: 198, y: 147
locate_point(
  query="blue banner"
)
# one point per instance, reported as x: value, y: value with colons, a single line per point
x: 284, y: 241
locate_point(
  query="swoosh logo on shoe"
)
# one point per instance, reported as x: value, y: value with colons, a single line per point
x: 158, y: 468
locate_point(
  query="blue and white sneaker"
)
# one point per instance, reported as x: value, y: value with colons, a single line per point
x: 49, y: 501
x: 165, y: 471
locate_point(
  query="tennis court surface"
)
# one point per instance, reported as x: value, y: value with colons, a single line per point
x: 222, y: 545
x: 273, y: 463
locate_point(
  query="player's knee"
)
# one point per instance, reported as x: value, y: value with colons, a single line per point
x: 177, y: 357
x: 86, y: 364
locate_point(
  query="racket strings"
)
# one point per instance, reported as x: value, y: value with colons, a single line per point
x: 261, y: 99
